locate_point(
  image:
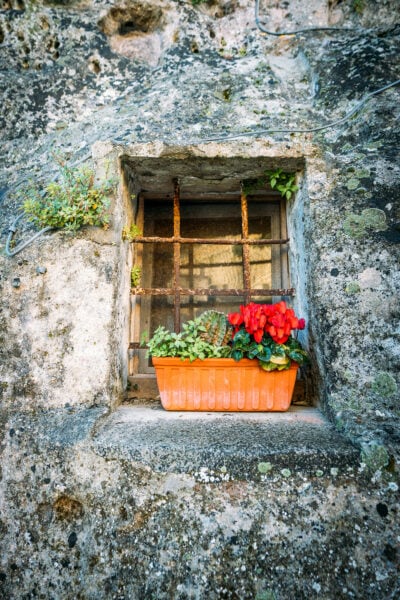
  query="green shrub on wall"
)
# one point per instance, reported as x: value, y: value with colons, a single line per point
x: 70, y: 203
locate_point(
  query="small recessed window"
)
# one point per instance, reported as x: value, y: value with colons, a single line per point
x: 205, y: 246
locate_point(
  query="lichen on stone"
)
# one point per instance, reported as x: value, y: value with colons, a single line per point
x: 362, y: 173
x: 374, y: 456
x: 352, y: 183
x: 352, y: 288
x: 370, y: 219
x: 264, y: 467
x: 384, y: 385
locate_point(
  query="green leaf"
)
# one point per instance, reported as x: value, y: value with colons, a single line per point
x: 299, y: 356
x: 254, y: 350
x: 252, y: 353
x: 70, y: 203
x: 265, y: 356
x: 242, y: 336
x: 237, y: 354
x: 267, y: 366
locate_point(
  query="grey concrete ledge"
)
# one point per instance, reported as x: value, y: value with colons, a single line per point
x: 55, y: 428
x: 301, y: 440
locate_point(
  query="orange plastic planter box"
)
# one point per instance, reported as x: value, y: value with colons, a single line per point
x: 222, y: 384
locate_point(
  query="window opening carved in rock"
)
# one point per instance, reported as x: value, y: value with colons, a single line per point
x: 205, y: 250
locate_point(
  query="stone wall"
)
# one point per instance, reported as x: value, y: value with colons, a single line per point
x: 80, y: 524
x: 66, y: 315
x: 167, y: 80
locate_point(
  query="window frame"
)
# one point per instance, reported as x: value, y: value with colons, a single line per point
x: 141, y: 316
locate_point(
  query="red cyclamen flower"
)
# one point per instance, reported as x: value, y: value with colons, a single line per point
x: 276, y: 320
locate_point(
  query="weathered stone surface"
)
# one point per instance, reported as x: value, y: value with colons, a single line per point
x: 200, y: 534
x: 300, y: 440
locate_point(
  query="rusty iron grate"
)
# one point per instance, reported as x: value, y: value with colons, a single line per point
x: 177, y: 240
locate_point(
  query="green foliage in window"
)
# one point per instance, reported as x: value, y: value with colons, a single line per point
x: 194, y: 341
x: 136, y: 273
x: 130, y: 233
x: 70, y: 203
x: 252, y: 185
x: 270, y: 355
x: 283, y: 182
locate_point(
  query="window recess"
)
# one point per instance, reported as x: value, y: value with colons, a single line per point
x: 204, y: 249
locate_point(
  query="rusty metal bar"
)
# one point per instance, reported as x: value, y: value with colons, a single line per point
x: 177, y: 257
x: 210, y: 292
x: 216, y: 241
x: 137, y: 346
x: 245, y: 247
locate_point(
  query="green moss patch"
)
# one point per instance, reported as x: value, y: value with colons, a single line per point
x: 370, y: 219
x: 384, y: 384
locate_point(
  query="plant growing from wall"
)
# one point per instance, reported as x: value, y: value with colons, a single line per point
x: 136, y: 273
x: 358, y: 6
x: 72, y: 202
x: 129, y: 233
x: 283, y: 182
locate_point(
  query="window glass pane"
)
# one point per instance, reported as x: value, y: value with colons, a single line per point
x: 207, y: 265
x: 260, y: 256
x: 162, y: 312
x: 157, y: 271
x: 265, y: 264
x: 210, y: 265
x: 192, y: 306
x: 158, y: 218
x: 206, y: 213
x: 162, y: 260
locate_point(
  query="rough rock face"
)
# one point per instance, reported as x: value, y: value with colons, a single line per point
x: 166, y: 81
x: 88, y: 526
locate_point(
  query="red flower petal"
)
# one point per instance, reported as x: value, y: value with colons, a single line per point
x: 235, y: 318
x: 258, y: 335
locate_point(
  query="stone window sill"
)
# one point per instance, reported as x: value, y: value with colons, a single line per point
x: 208, y: 446
x: 219, y: 446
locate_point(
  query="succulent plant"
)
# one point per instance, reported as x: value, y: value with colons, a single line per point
x: 218, y: 330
